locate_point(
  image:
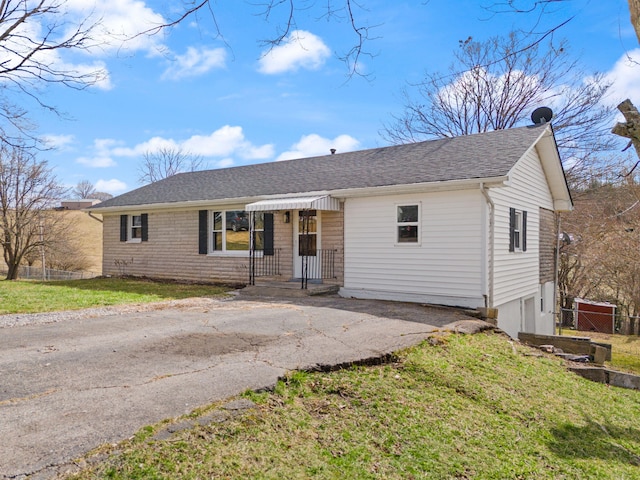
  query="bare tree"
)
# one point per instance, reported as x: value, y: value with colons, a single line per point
x: 32, y: 33
x: 64, y: 250
x: 634, y: 10
x: 545, y: 8
x: 631, y: 128
x: 84, y: 189
x: 496, y: 84
x: 353, y: 14
x: 165, y: 163
x: 286, y: 16
x: 102, y: 196
x: 28, y: 188
x: 600, y: 261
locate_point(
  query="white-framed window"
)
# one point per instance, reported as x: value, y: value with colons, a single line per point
x: 230, y: 232
x: 134, y: 228
x: 408, y: 224
x: 517, y: 230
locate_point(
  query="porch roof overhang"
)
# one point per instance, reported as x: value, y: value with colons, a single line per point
x: 322, y: 202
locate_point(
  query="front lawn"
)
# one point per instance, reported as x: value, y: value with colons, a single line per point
x: 475, y: 406
x: 34, y: 297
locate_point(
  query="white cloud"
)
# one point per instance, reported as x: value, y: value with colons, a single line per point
x: 224, y: 142
x: 118, y: 24
x: 195, y: 62
x: 113, y: 186
x: 96, y: 73
x: 97, y: 162
x: 57, y: 141
x: 225, y: 162
x: 21, y: 55
x: 315, y: 145
x: 103, y: 148
x: 154, y: 144
x: 300, y: 50
x: 625, y: 78
x: 106, y: 24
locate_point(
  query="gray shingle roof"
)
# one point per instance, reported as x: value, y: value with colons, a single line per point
x: 484, y: 155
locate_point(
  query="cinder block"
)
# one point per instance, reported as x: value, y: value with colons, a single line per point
x: 599, y: 354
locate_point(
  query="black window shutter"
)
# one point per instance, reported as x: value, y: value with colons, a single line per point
x: 268, y: 234
x: 203, y: 231
x: 512, y: 227
x: 524, y: 231
x: 123, y: 228
x: 144, y: 220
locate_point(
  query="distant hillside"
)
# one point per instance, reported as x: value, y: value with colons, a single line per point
x: 89, y: 234
x: 86, y: 240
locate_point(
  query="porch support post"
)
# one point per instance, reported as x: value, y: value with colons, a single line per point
x: 305, y: 248
x: 252, y: 249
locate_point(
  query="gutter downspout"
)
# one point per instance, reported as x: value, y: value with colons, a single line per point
x: 490, y: 262
x: 95, y: 218
x: 557, y: 317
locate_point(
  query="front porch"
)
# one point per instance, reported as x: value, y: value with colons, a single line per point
x: 302, y: 246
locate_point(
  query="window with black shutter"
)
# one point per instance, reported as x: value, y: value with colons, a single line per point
x: 124, y: 225
x: 134, y: 228
x: 203, y: 232
x: 517, y: 230
x: 268, y: 234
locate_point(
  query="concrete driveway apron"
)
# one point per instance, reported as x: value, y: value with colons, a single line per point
x: 69, y: 386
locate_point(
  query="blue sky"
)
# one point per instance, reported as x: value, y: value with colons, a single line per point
x: 228, y: 101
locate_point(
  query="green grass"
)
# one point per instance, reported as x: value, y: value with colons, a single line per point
x: 34, y: 297
x: 469, y: 407
x: 625, y: 353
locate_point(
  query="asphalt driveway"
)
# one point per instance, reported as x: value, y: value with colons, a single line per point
x: 69, y: 386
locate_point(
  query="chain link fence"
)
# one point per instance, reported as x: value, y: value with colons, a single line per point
x: 593, y: 321
x: 36, y: 273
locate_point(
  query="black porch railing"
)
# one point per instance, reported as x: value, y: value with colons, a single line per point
x: 264, y: 265
x: 320, y: 265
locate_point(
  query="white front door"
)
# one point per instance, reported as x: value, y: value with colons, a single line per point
x: 306, y: 242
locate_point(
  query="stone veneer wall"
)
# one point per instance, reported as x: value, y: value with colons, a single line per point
x: 172, y: 249
x: 547, y: 245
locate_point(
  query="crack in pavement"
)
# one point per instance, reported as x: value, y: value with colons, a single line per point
x: 13, y: 401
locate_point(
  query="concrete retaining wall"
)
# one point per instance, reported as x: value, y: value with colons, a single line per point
x: 576, y: 345
x: 610, y: 377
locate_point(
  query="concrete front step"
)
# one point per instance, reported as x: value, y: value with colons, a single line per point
x: 287, y: 289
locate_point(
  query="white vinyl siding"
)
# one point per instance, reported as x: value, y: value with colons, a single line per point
x: 517, y: 274
x: 448, y: 263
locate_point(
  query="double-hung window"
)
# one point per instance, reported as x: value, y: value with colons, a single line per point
x: 517, y: 230
x: 408, y: 224
x: 134, y: 228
